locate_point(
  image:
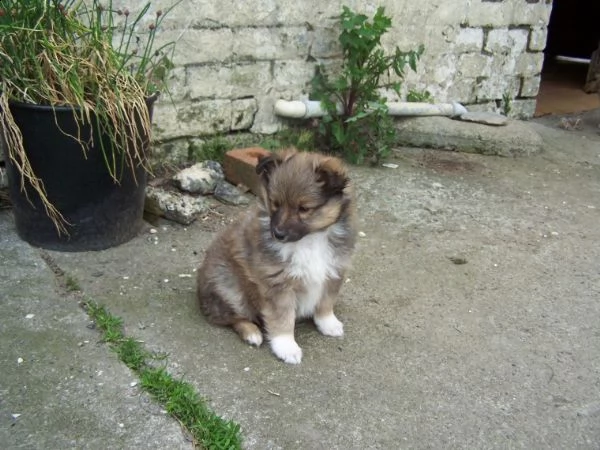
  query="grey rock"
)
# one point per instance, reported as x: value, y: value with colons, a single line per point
x: 181, y: 208
x: 201, y: 178
x: 229, y: 194
x: 214, y: 166
x: 486, y: 118
x: 515, y: 139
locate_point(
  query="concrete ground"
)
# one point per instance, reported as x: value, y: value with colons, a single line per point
x: 472, y: 319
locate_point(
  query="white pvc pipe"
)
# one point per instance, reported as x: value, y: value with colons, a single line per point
x: 304, y: 109
x: 301, y: 109
x: 426, y: 109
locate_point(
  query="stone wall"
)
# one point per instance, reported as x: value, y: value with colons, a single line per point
x: 234, y: 58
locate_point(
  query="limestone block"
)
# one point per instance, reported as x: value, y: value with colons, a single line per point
x: 324, y: 42
x: 442, y: 12
x: 196, y: 14
x: 176, y: 83
x: 538, y: 37
x: 242, y: 113
x: 229, y: 81
x: 293, y: 75
x: 254, y: 13
x: 530, y: 86
x: 473, y: 65
x: 513, y: 139
x: 445, y: 71
x: 461, y: 90
x: 270, y: 43
x: 200, y: 46
x: 529, y: 64
x: 506, y: 41
x: 172, y: 152
x: 315, y: 11
x: 469, y: 40
x: 527, y: 13
x: 192, y: 119
x: 164, y: 121
x: 408, y: 37
x: 497, y: 86
x: 189, y: 14
x: 503, y: 14
x: 205, y: 117
x: 488, y: 14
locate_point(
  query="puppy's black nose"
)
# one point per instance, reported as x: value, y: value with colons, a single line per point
x: 278, y: 234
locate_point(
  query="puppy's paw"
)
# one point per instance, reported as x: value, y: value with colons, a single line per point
x: 286, y: 349
x: 329, y: 325
x: 249, y: 332
x: 255, y: 338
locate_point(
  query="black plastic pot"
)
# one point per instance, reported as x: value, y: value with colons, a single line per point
x: 101, y: 213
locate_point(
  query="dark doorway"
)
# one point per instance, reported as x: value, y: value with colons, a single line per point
x: 573, y: 34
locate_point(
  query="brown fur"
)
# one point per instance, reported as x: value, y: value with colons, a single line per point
x: 259, y: 272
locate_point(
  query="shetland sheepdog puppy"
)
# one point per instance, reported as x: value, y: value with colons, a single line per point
x: 286, y: 258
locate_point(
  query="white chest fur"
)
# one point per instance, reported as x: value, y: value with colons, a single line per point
x: 312, y: 261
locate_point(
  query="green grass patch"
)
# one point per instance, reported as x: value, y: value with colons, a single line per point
x: 71, y: 284
x: 300, y: 138
x: 213, y: 149
x: 178, y: 397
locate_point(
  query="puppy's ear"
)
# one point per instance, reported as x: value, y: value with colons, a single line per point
x: 333, y: 176
x: 265, y: 166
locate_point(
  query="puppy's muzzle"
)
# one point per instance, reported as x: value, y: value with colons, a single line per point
x: 279, y: 234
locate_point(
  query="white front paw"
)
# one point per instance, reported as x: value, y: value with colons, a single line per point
x: 329, y: 325
x: 286, y: 349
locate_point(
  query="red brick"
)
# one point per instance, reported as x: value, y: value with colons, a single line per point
x: 239, y: 166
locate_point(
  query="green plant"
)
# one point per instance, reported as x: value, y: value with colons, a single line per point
x: 302, y: 139
x: 71, y: 284
x: 419, y: 96
x: 213, y: 149
x: 356, y: 123
x: 88, y: 55
x: 506, y: 103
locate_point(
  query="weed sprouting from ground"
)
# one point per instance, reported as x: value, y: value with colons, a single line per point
x: 183, y: 402
x: 424, y: 96
x: 178, y: 397
x: 213, y: 149
x: 71, y: 284
x: 363, y: 129
x: 302, y: 139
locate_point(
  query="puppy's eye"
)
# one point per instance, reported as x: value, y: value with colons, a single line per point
x: 275, y: 205
x: 303, y: 209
